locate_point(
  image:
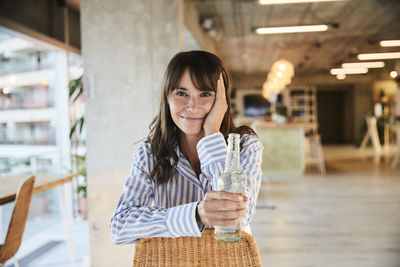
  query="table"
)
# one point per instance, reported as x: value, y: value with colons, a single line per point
x: 9, y: 187
x: 9, y: 184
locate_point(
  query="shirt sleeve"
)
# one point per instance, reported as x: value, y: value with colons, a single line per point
x: 250, y: 167
x: 136, y: 218
x: 212, y: 151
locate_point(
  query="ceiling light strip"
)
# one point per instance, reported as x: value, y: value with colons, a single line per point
x: 282, y: 2
x: 376, y: 64
x: 292, y: 29
x: 349, y: 71
x: 377, y: 56
x: 389, y: 43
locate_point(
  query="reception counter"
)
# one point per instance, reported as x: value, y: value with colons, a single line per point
x: 284, y: 152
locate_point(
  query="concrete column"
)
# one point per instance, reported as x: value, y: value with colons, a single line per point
x: 126, y: 46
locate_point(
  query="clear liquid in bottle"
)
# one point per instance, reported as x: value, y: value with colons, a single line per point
x: 231, y: 180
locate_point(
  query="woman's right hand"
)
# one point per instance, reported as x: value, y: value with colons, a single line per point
x: 214, y: 118
x: 221, y: 208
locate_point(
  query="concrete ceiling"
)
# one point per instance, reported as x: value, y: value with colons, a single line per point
x: 362, y: 24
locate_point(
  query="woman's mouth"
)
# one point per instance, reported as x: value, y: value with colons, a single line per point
x: 191, y: 118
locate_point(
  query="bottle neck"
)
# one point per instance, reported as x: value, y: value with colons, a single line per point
x: 232, y: 164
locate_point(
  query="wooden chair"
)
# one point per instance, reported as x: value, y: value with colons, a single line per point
x: 197, y: 251
x: 17, y: 222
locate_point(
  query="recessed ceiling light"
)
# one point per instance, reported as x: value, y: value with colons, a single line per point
x: 341, y: 76
x: 377, y: 56
x: 279, y: 2
x: 349, y: 71
x: 393, y: 74
x: 6, y: 91
x: 293, y: 29
x: 376, y: 64
x: 208, y: 23
x: 389, y: 43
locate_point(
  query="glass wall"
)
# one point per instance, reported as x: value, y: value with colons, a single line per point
x: 30, y: 142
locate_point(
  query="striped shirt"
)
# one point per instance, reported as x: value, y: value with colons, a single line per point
x: 149, y: 209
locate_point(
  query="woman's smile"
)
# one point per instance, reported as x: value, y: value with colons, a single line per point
x: 191, y: 118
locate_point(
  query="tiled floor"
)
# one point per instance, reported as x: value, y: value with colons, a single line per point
x: 348, y: 218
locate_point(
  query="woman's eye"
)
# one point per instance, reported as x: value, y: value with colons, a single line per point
x: 206, y: 94
x: 180, y: 93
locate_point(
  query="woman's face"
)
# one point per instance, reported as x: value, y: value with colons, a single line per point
x: 189, y: 106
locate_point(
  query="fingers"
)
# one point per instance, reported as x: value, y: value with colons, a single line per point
x: 223, y: 195
x: 221, y: 93
x: 212, y: 216
x: 222, y: 87
x: 225, y: 218
x: 216, y: 115
x: 221, y: 208
x: 224, y: 205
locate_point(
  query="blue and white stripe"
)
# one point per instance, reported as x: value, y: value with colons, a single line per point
x: 149, y: 209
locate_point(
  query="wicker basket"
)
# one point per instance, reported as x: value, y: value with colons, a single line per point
x: 194, y: 251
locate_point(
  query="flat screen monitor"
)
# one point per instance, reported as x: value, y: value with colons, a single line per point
x: 255, y: 105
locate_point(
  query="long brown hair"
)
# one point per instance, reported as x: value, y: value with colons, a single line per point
x: 204, y: 69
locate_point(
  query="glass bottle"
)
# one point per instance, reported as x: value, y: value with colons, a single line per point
x: 231, y: 180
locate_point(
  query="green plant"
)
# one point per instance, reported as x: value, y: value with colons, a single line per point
x: 75, y: 91
x: 78, y: 161
x: 80, y: 164
x: 281, y: 109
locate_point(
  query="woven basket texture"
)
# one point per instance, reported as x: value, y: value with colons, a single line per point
x: 197, y: 252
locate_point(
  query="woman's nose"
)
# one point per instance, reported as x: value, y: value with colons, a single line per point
x: 193, y: 103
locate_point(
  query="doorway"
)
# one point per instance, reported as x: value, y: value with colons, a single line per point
x: 335, y: 111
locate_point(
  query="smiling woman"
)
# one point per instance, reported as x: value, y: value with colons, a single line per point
x: 171, y: 191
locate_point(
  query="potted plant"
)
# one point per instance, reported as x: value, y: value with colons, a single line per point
x: 279, y: 115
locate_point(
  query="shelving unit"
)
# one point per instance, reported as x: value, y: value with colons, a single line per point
x: 301, y: 103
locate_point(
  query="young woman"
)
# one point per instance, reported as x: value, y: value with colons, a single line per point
x: 171, y: 191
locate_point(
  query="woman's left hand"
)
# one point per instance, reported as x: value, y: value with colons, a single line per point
x: 216, y: 115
